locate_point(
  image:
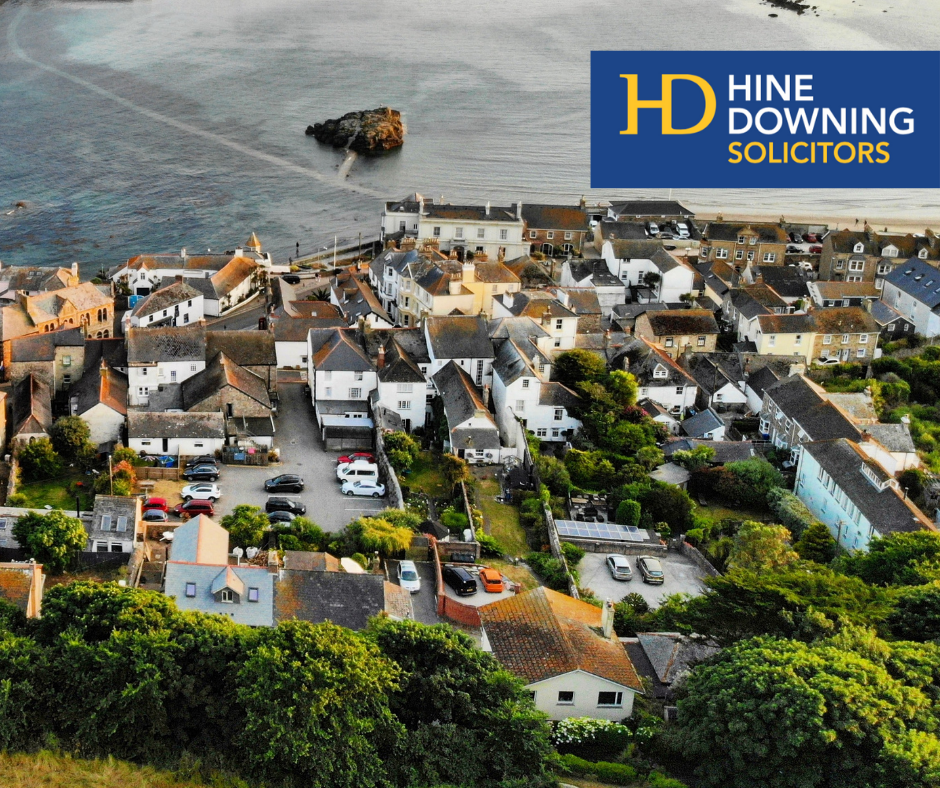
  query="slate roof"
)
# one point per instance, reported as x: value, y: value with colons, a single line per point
x: 886, y: 510
x: 788, y: 281
x: 411, y: 340
x: 248, y: 348
x: 711, y: 279
x: 42, y: 347
x: 536, y: 304
x: 458, y: 337
x: 701, y: 423
x: 761, y: 379
x: 114, y: 508
x: 725, y: 451
x: 149, y: 346
x: 208, y: 577
x: 348, y: 600
x: 461, y: 398
x: 833, y: 291
x: 220, y: 373
x: 801, y: 401
x: 200, y: 541
x: 340, y: 353
x: 358, y: 300
x: 651, y: 208
x: 786, y: 324
x: 556, y: 395
x: 143, y: 424
x: 754, y: 300
x: 894, y: 437
x: 682, y: 322
x: 644, y: 357
x: 318, y: 309
x: 511, y: 363
x: 399, y: 367
x: 34, y: 278
x: 845, y: 320
x: 919, y: 279
x: 629, y: 249
x: 470, y: 213
x: 610, y: 230
x: 113, y: 350
x: 309, y: 561
x: 493, y: 273
x: 555, y: 217
x: 594, y: 271
x: 713, y: 371
x: 105, y: 386
x: 31, y: 406
x: 729, y: 231
x: 541, y: 633
x: 581, y: 300
x: 295, y: 329
x: 165, y: 298
x: 202, y: 285
x: 672, y: 655
x: 83, y: 297
x: 884, y: 314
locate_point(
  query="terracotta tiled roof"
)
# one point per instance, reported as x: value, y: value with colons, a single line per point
x: 235, y: 272
x: 541, y: 634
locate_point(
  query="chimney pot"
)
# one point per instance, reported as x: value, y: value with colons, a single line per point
x: 179, y: 277
x: 518, y: 210
x: 183, y: 253
x: 486, y: 396
x: 381, y: 358
x: 607, y: 619
x: 487, y: 207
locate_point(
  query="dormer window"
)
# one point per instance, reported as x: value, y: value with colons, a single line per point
x: 741, y: 239
x: 859, y: 248
x: 660, y: 371
x: 890, y: 251
x: 226, y: 595
x: 922, y: 254
x: 668, y: 342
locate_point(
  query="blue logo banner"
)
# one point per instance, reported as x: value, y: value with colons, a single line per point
x: 765, y: 120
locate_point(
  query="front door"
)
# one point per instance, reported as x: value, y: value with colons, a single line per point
x: 406, y: 423
x: 166, y: 445
x: 844, y: 355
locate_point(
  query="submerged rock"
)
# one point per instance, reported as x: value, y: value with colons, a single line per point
x: 368, y: 131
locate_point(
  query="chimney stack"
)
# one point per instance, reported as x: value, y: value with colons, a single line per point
x: 607, y: 619
x: 486, y: 396
x: 487, y: 207
x: 508, y: 298
x: 183, y: 253
x: 518, y: 210
x: 74, y: 269
x: 380, y: 363
x: 179, y: 278
x: 867, y: 303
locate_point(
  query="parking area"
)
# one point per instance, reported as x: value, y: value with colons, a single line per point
x: 425, y: 601
x: 302, y: 453
x: 682, y: 577
x: 481, y: 597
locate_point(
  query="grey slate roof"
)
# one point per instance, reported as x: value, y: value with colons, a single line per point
x: 247, y: 348
x: 121, y: 514
x: 458, y: 337
x: 651, y: 208
x: 511, y: 364
x: 886, y: 510
x: 643, y: 358
x: 142, y: 424
x: 919, y: 279
x: 761, y: 379
x: 411, y: 340
x: 349, y: 600
x: 555, y: 217
x: 701, y: 423
x: 672, y: 655
x: 295, y: 329
x: 165, y: 298
x: 152, y: 345
x: 885, y: 314
x: 894, y: 437
x: 202, y: 285
x: 335, y: 350
x: 788, y: 280
x: 682, y: 322
x: 113, y: 350
x: 725, y: 451
x: 462, y: 402
x: 558, y: 396
x: 258, y: 614
x: 42, y: 347
x: 31, y: 406
x: 819, y: 418
x: 220, y: 373
x: 399, y: 367
x: 713, y: 371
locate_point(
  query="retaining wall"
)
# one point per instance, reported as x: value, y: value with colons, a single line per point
x: 555, y: 545
x: 392, y: 487
x: 625, y: 548
x: 697, y: 558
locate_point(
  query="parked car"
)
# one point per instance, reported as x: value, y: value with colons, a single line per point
x: 815, y: 250
x: 796, y: 238
x: 811, y: 238
x: 794, y: 249
x: 492, y: 580
x: 667, y: 234
x: 682, y: 229
x: 206, y: 492
x: 280, y: 517
x: 154, y: 516
x: 365, y: 487
x: 291, y: 279
x: 357, y: 470
x: 825, y: 361
x: 356, y: 455
x: 205, y: 459
x: 286, y: 482
x: 201, y: 473
x: 194, y: 508
x: 652, y: 228
x: 284, y: 505
x: 408, y: 576
x: 650, y: 570
x: 460, y: 580
x: 619, y: 567
x: 159, y: 504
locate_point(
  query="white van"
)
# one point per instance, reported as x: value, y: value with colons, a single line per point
x: 358, y: 471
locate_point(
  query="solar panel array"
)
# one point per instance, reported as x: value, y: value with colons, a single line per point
x: 613, y: 532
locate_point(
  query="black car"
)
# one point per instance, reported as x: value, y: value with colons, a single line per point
x: 154, y: 516
x: 460, y: 580
x: 281, y: 517
x: 205, y: 459
x: 201, y: 473
x: 287, y: 482
x: 284, y: 505
x: 291, y: 279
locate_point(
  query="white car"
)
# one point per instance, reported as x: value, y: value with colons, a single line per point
x: 375, y: 489
x: 358, y: 463
x: 408, y: 576
x: 202, y: 491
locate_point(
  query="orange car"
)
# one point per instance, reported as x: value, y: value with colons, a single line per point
x: 492, y: 580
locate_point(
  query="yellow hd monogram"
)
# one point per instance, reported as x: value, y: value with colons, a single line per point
x: 664, y: 105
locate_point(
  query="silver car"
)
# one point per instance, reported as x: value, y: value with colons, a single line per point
x: 619, y: 567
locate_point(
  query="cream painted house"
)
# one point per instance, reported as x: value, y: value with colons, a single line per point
x: 584, y: 672
x: 784, y: 335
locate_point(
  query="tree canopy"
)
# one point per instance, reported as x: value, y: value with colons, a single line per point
x: 50, y: 538
x: 246, y: 526
x: 574, y: 366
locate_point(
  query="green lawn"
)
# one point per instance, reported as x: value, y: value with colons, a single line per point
x: 717, y: 513
x: 518, y: 574
x: 55, y: 493
x: 502, y: 518
x: 425, y: 476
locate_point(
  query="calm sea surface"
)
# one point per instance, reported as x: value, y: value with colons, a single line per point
x: 150, y: 125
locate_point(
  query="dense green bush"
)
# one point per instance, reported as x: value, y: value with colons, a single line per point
x: 628, y: 513
x: 550, y: 569
x: 490, y: 546
x: 614, y: 773
x: 573, y: 554
x: 456, y: 522
x: 791, y: 511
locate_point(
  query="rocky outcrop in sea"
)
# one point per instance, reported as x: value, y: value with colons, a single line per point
x: 368, y: 131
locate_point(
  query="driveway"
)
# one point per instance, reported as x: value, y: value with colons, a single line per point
x: 425, y: 601
x: 301, y: 448
x: 682, y: 577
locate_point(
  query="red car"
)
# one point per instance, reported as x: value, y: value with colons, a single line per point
x: 356, y: 455
x: 159, y: 504
x: 815, y: 250
x: 194, y: 508
x: 811, y: 238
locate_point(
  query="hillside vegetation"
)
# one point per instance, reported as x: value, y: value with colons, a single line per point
x: 49, y: 770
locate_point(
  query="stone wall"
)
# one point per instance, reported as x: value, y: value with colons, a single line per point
x: 625, y: 548
x: 555, y: 544
x: 392, y: 487
x: 697, y: 558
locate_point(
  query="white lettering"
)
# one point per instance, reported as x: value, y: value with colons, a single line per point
x: 772, y: 84
x: 829, y: 117
x: 746, y: 87
x: 794, y: 121
x: 768, y: 111
x: 908, y: 123
x: 800, y: 87
x: 867, y: 116
x: 738, y: 111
